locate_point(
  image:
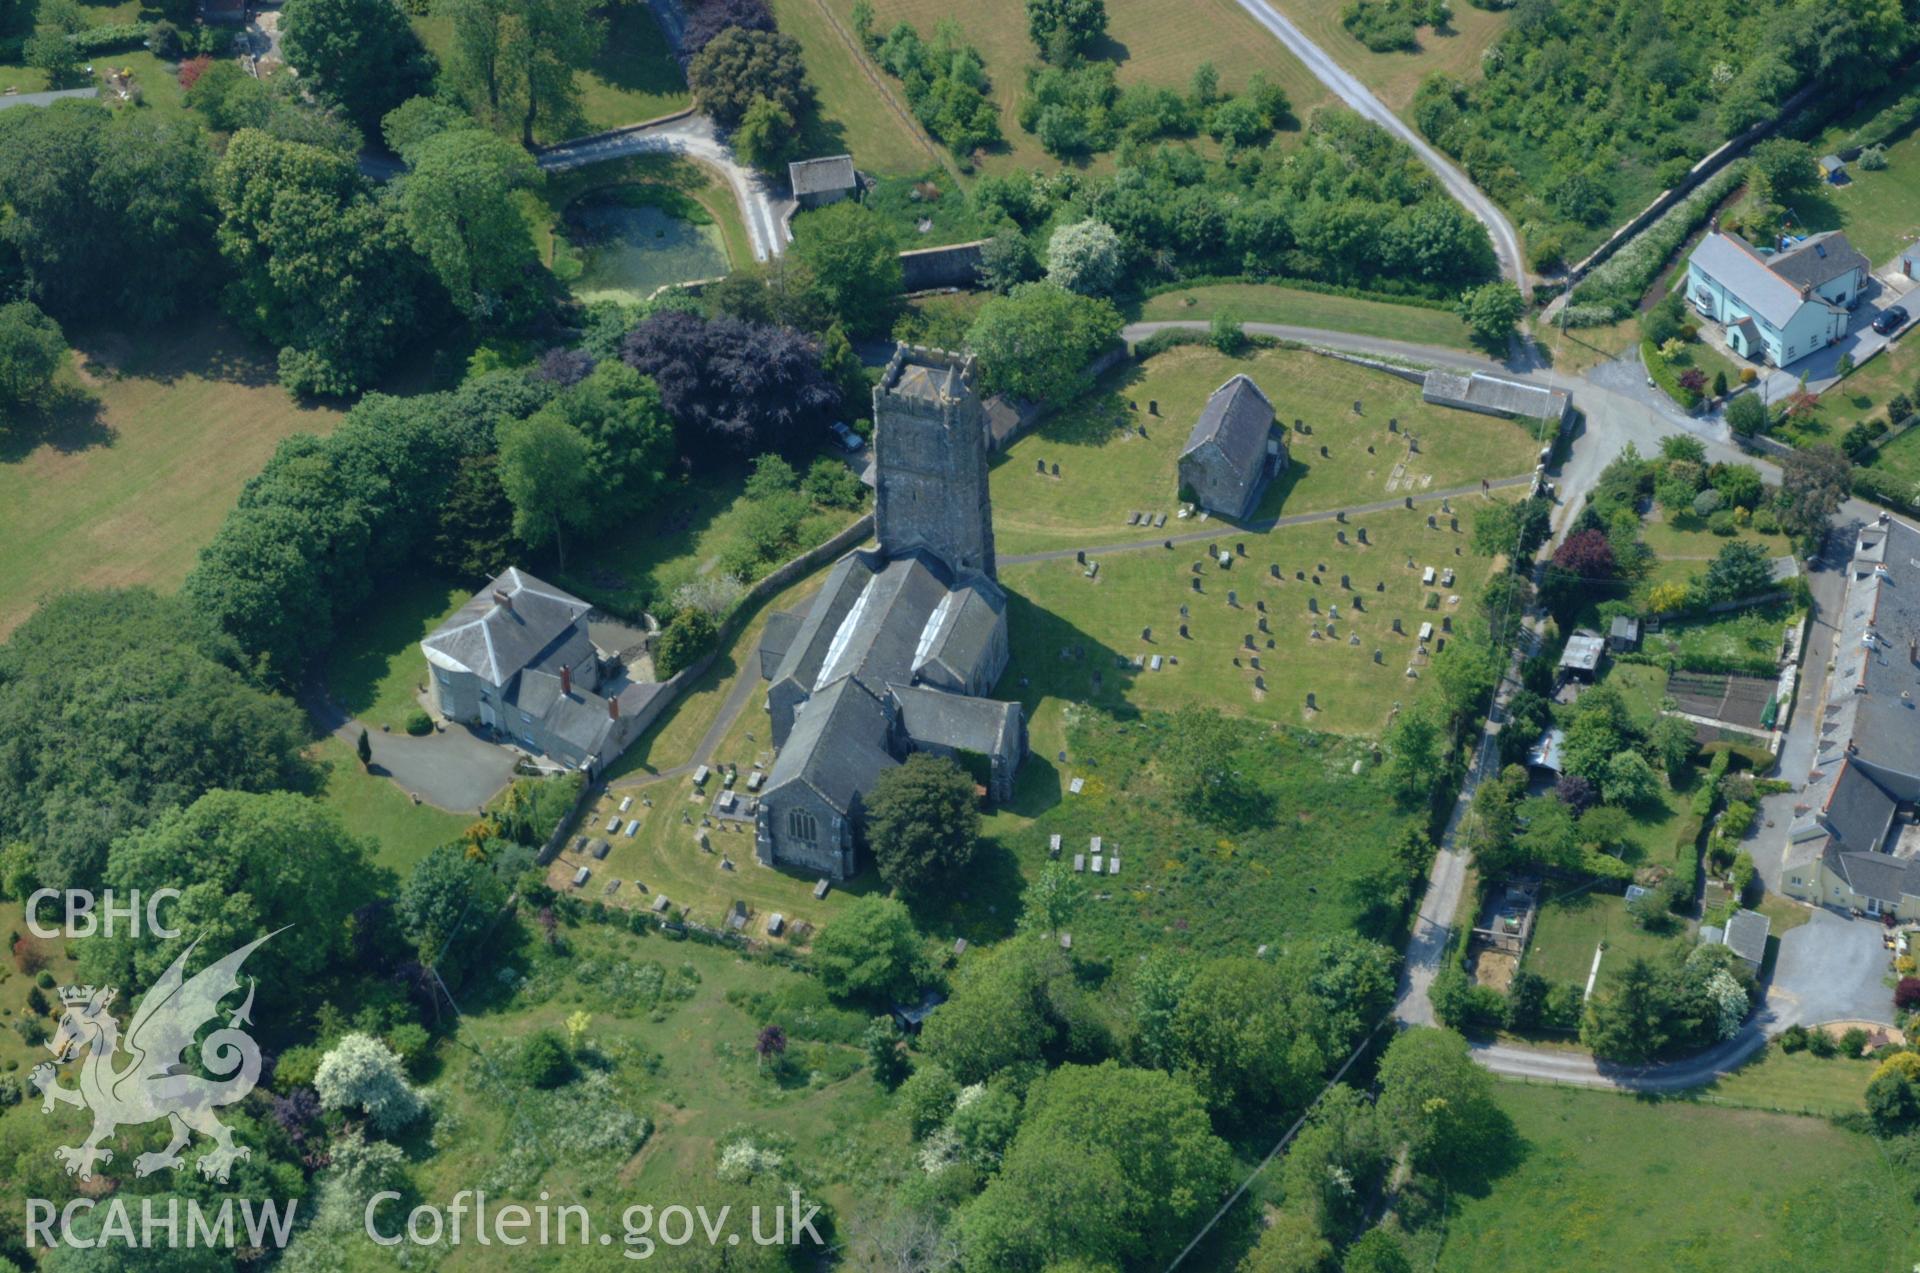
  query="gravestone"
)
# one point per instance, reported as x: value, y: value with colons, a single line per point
x: 1446, y: 623
x: 1146, y: 634
x: 1260, y: 683
x: 1313, y: 605
x: 1346, y: 582
x: 1363, y: 534
x: 1300, y: 426
x: 1393, y: 424
x: 1260, y: 604
x: 1381, y: 586
x: 1240, y: 549
x: 1413, y: 445
x: 1356, y: 407
x: 1153, y: 406
x: 1299, y: 574
x: 1446, y: 505
x: 1273, y: 568
x: 1358, y: 602
x: 1333, y: 612
x: 1183, y: 629
x: 1263, y: 623
x: 1340, y: 515
x: 1409, y: 501
x: 1340, y: 536
x: 1184, y: 612
x: 1197, y: 566
x: 1323, y: 452
x: 1168, y: 543
x: 1397, y: 628
x: 1454, y: 522
x: 1311, y: 705
x: 1353, y: 638
x: 1040, y: 467
x: 1378, y: 657
x: 1432, y: 522
x: 1195, y: 581
x: 1233, y: 598
x: 1254, y: 661
x: 1056, y: 468
x: 1250, y: 644
x: 1080, y: 555
x: 1269, y: 643
x: 1370, y: 449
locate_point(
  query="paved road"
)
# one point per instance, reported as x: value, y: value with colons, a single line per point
x: 1506, y: 243
x: 761, y: 207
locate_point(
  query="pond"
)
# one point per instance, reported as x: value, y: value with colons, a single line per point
x: 629, y: 241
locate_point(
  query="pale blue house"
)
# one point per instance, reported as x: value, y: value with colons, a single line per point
x: 1777, y: 307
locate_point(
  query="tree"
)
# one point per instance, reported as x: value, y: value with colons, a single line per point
x: 1630, y: 1022
x: 1746, y: 415
x: 457, y: 203
x: 1037, y: 342
x: 767, y: 136
x: 1815, y: 480
x: 685, y: 639
x: 1018, y: 1001
x: 362, y: 1075
x: 1492, y: 312
x: 734, y: 389
x: 1587, y: 554
x: 1291, y: 1243
x: 1063, y: 29
x: 712, y: 17
x: 1893, y: 1094
x: 31, y: 351
x: 1375, y: 1252
x: 1670, y: 742
x: 871, y: 951
x: 923, y: 824
x: 619, y: 415
x: 886, y: 1054
x: 1440, y: 1104
x: 543, y: 1062
x: 770, y: 1044
x: 1336, y: 1162
x: 361, y: 54
x: 1629, y: 780
x: 1112, y: 1164
x: 544, y: 471
x: 1415, y: 747
x: 1782, y: 169
x: 447, y: 907
x: 545, y: 42
x: 1249, y: 1035
x: 477, y: 64
x: 364, y: 749
x: 740, y: 66
x: 855, y: 260
x: 1084, y: 257
x: 1006, y: 260
x: 53, y: 54
x: 1740, y: 569
x: 116, y: 706
x: 321, y: 268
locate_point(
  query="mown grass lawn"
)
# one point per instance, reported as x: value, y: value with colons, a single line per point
x: 1153, y: 41
x: 1107, y: 470
x: 1055, y: 608
x: 1276, y: 303
x: 374, y: 807
x: 1608, y: 1181
x: 1569, y: 929
x: 128, y: 485
x: 1685, y: 547
x: 1880, y: 211
x: 376, y: 669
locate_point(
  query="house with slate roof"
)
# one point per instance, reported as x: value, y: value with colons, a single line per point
x: 1777, y: 307
x: 1852, y: 840
x: 1232, y: 451
x: 818, y: 182
x: 897, y: 649
x: 517, y: 662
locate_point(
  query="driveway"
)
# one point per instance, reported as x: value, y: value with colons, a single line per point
x: 458, y: 770
x: 1822, y: 368
x: 1831, y: 968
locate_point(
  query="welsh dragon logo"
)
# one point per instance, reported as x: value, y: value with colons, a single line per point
x: 154, y: 1082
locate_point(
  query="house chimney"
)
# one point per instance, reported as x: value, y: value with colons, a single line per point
x: 502, y: 598
x: 613, y: 708
x: 566, y: 681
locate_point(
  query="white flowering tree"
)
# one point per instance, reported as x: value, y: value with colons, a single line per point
x: 1084, y: 257
x: 363, y: 1074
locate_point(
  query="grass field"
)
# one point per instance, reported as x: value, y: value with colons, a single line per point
x: 1153, y: 41
x: 374, y: 807
x: 1795, y: 1082
x: 127, y: 488
x: 1568, y: 930
x: 635, y: 77
x: 1107, y: 471
x: 376, y: 670
x: 1054, y: 607
x: 1274, y: 303
x: 1880, y: 211
x: 1607, y: 1181
x: 854, y: 114
x: 1394, y: 76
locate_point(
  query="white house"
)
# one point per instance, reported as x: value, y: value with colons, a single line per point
x: 1777, y: 307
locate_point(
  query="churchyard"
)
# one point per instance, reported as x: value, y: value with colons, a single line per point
x: 1396, y: 445
x: 1329, y: 610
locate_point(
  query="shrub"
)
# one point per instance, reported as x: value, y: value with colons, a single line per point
x: 1723, y: 523
x: 1821, y: 1044
x: 1854, y: 1041
x: 1616, y: 285
x: 1793, y: 1038
x: 1907, y: 993
x: 543, y: 1061
x: 1873, y: 158
x: 690, y: 635
x: 419, y: 724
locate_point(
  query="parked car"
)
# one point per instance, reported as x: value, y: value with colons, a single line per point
x: 1890, y: 320
x: 846, y: 437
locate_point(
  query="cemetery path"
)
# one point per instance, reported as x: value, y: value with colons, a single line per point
x: 1222, y: 529
x: 1349, y: 89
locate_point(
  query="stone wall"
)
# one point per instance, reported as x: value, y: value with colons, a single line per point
x: 954, y: 265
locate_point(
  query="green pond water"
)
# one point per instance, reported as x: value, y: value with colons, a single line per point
x: 628, y: 250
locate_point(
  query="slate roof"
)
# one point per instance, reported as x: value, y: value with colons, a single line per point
x: 1746, y: 935
x: 494, y: 641
x: 1237, y: 419
x: 1857, y: 812
x: 1482, y: 392
x: 878, y: 636
x: 580, y: 719
x: 1583, y: 651
x: 1817, y: 260
x: 838, y: 745
x: 939, y: 719
x: 823, y: 175
x: 959, y: 633
x: 775, y: 639
x: 1877, y: 875
x: 844, y: 585
x: 1733, y: 263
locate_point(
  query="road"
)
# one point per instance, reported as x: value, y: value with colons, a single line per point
x: 1506, y: 242
x: 696, y: 136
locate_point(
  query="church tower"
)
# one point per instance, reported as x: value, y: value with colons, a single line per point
x: 930, y: 461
